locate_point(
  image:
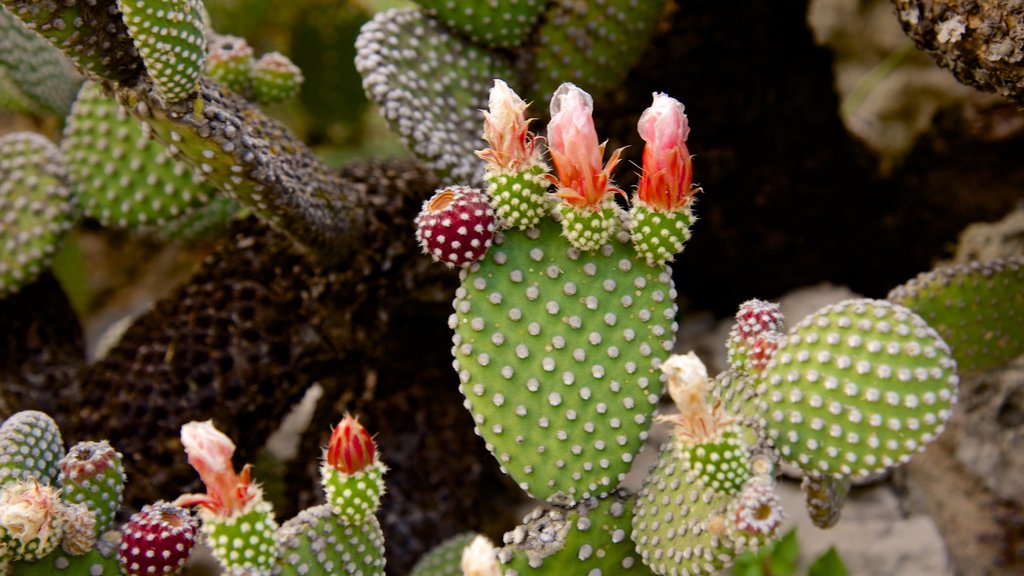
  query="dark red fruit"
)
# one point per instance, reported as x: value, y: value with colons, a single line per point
x: 157, y: 540
x: 456, y: 226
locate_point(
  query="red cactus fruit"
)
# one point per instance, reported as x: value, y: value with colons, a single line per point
x: 350, y: 449
x: 456, y: 226
x: 757, y: 316
x: 157, y: 540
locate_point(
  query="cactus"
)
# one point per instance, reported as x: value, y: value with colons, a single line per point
x: 445, y: 559
x: 91, y: 474
x: 37, y: 77
x: 30, y: 448
x: 229, y: 62
x: 317, y: 542
x: 157, y: 540
x: 171, y: 40
x: 31, y: 525
x: 36, y: 206
x: 274, y: 78
x: 100, y: 561
x: 496, y: 24
x: 976, y: 307
x: 824, y: 497
x: 351, y: 474
x: 456, y: 226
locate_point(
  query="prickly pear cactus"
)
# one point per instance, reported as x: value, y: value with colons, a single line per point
x: 824, y: 497
x: 100, y: 561
x: 36, y: 208
x: 91, y: 474
x: 123, y: 178
x: 35, y: 73
x: 591, y: 538
x: 316, y: 541
x: 430, y: 86
x: 976, y: 307
x: 445, y: 559
x: 30, y: 448
x: 495, y: 23
x: 557, y: 353
x: 857, y: 387
x: 275, y: 78
x: 171, y: 40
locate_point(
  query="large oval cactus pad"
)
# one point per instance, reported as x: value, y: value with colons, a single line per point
x: 558, y: 354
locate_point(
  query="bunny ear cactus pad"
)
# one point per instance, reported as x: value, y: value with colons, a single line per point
x: 123, y: 178
x: 977, y: 307
x: 445, y: 558
x: 171, y: 40
x: 591, y: 538
x: 35, y: 70
x: 30, y: 447
x: 318, y: 542
x: 857, y: 387
x: 430, y: 86
x: 36, y: 208
x: 557, y: 353
x: 493, y: 23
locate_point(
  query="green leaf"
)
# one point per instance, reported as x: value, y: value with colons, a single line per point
x: 828, y: 564
x: 782, y: 559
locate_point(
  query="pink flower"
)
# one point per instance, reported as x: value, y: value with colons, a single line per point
x: 572, y: 141
x: 209, y: 452
x: 350, y: 449
x: 506, y: 129
x: 667, y: 178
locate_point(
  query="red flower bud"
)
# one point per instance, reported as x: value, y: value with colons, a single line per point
x: 351, y: 448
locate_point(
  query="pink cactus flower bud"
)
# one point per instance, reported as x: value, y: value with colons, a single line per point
x: 351, y: 448
x: 757, y: 508
x: 506, y: 129
x: 666, y: 183
x: 575, y: 152
x: 209, y: 452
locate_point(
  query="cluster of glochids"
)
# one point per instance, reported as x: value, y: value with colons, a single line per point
x: 269, y: 79
x: 458, y: 225
x: 57, y: 509
x: 853, y: 390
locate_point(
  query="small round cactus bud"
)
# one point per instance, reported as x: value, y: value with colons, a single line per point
x: 352, y: 477
x: 92, y: 475
x: 79, y: 528
x: 480, y: 558
x: 157, y: 540
x: 456, y: 226
x: 230, y: 62
x: 758, y: 511
x: 755, y: 335
x: 275, y: 78
x: 350, y: 449
x: 30, y: 525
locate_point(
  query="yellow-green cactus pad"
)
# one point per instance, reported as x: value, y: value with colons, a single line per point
x: 36, y: 208
x: 122, y: 177
x: 591, y: 538
x: 171, y: 40
x: 230, y: 63
x: 496, y: 23
x: 857, y: 387
x: 318, y: 542
x: 100, y: 561
x: 275, y: 78
x: 557, y: 352
x: 430, y: 86
x: 34, y: 70
x: 445, y: 559
x: 30, y: 448
x: 978, y: 308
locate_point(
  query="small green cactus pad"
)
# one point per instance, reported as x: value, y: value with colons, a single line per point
x: 557, y: 353
x: 721, y: 464
x: 171, y: 40
x: 36, y: 208
x: 275, y: 78
x: 317, y: 542
x: 592, y: 538
x: 230, y: 63
x: 445, y: 559
x: 34, y: 68
x: 857, y: 387
x: 92, y: 563
x: 30, y: 447
x: 978, y: 308
x: 588, y: 229
x: 592, y: 45
x: 91, y: 473
x: 519, y: 200
x: 245, y: 542
x: 825, y: 497
x: 659, y: 236
x: 92, y: 34
x: 430, y: 86
x: 354, y: 496
x: 123, y: 178
x: 494, y: 23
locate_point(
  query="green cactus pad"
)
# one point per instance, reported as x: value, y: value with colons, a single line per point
x: 722, y: 464
x: 171, y: 40
x: 519, y: 200
x: 588, y: 229
x: 430, y: 86
x: 92, y: 474
x: 92, y: 34
x: 36, y: 208
x: 354, y: 496
x: 978, y: 308
x: 230, y: 63
x: 825, y: 497
x: 123, y: 178
x: 557, y: 353
x: 36, y: 71
x: 494, y: 23
x: 244, y: 542
x: 592, y: 538
x: 857, y: 387
x: 275, y: 78
x: 93, y: 563
x: 204, y: 223
x: 592, y: 45
x: 445, y: 559
x: 658, y: 236
x: 317, y: 542
x: 30, y: 447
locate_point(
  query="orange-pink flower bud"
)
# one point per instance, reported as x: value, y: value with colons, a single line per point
x: 667, y: 178
x: 506, y: 129
x: 209, y: 452
x: 351, y: 448
x: 575, y: 152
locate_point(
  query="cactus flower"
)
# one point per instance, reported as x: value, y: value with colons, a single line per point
x: 30, y: 523
x: 506, y: 129
x: 480, y: 558
x: 666, y: 183
x: 350, y: 449
x: 209, y: 452
x: 575, y: 152
x: 688, y: 386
